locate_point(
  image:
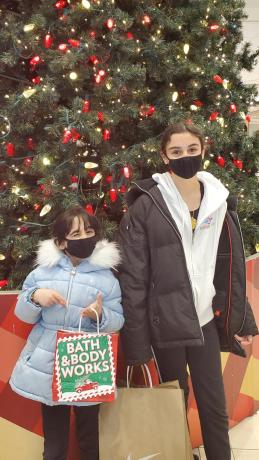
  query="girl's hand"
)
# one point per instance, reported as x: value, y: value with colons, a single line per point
x: 97, y: 306
x: 47, y: 297
x: 246, y: 340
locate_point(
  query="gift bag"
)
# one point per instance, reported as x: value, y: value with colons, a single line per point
x: 85, y: 366
x: 145, y: 423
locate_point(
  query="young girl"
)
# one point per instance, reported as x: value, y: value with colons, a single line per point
x: 183, y: 279
x: 73, y: 276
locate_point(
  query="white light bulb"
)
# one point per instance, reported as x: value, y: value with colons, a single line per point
x: 73, y: 75
x: 186, y: 48
x: 86, y: 4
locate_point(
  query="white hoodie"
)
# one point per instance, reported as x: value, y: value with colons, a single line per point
x: 200, y: 246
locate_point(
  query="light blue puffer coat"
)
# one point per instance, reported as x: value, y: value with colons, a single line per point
x: 32, y: 375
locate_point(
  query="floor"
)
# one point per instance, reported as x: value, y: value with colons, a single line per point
x: 244, y: 440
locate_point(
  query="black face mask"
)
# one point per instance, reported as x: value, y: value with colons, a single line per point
x: 185, y: 167
x: 82, y: 248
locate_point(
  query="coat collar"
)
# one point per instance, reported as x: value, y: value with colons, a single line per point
x: 105, y: 255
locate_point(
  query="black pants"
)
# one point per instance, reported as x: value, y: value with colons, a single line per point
x: 56, y: 422
x: 205, y: 369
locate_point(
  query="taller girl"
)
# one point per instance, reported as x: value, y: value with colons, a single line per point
x: 183, y: 279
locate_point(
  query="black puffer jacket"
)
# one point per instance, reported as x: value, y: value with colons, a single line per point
x: 157, y: 294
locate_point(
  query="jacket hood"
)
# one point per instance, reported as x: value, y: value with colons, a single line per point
x: 214, y: 187
x: 215, y: 194
x: 105, y: 254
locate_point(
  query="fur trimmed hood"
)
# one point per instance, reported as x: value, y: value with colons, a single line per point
x: 105, y: 254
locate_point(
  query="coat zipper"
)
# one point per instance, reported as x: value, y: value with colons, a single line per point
x: 180, y: 238
x: 72, y: 274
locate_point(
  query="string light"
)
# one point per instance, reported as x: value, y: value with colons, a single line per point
x: 29, y: 27
x: 73, y: 76
x: 86, y: 4
x: 186, y: 48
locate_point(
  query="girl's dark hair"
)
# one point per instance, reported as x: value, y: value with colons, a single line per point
x: 178, y: 128
x: 64, y: 221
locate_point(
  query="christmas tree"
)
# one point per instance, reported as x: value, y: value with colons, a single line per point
x: 87, y: 87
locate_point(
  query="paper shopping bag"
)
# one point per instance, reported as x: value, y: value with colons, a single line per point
x: 84, y: 367
x: 145, y: 423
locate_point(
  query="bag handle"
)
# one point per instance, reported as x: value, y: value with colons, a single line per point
x: 97, y: 321
x: 144, y: 368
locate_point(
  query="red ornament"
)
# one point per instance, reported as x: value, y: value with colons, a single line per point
x: 218, y: 79
x: 74, y: 43
x: 113, y: 195
x: 233, y: 108
x: 238, y: 164
x: 198, y: 103
x: 146, y: 111
x: 91, y: 174
x: 146, y: 19
x: 48, y: 41
x: 60, y: 4
x: 123, y: 189
x: 10, y: 149
x: 3, y: 283
x: 248, y: 118
x: 151, y: 110
x: 110, y: 24
x: 67, y: 135
x: 126, y: 172
x: 86, y: 106
x: 36, y: 80
x: 62, y: 47
x: 89, y: 209
x: 220, y: 161
x: 75, y: 135
x: 109, y: 179
x: 70, y: 134
x: 46, y: 190
x: 24, y: 229
x: 30, y: 143
x: 27, y: 161
x: 100, y: 117
x: 213, y: 116
x: 92, y: 34
x: 100, y: 76
x: 97, y: 79
x: 36, y: 207
x: 93, y: 60
x: 35, y: 60
x: 129, y: 35
x: 106, y: 134
x: 74, y: 182
x: 214, y: 27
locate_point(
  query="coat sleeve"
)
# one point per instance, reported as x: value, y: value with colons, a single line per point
x: 112, y: 314
x: 134, y: 280
x: 26, y: 310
